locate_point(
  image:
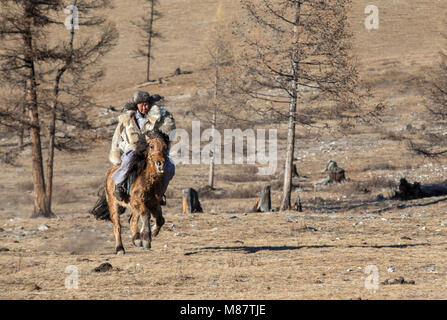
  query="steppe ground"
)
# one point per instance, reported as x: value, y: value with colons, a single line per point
x: 227, y: 252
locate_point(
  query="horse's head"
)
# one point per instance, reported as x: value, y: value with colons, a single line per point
x: 157, y: 151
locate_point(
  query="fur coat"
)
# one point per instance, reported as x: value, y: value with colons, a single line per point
x: 127, y: 132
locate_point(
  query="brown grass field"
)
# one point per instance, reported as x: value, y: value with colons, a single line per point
x: 227, y: 252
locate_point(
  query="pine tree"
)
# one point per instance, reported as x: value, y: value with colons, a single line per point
x: 27, y: 60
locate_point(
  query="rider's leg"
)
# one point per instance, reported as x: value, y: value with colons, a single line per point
x: 119, y: 177
x: 167, y: 177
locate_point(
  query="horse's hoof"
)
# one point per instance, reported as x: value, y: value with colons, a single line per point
x: 120, y: 251
x: 146, y: 244
x: 138, y: 243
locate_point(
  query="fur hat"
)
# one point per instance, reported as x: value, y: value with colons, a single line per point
x: 129, y: 106
x: 141, y: 97
x: 155, y: 98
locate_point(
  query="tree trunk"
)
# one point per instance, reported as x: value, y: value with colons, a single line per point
x: 21, y: 130
x: 211, y: 175
x: 213, y: 124
x: 287, y: 188
x: 149, y: 42
x: 21, y: 125
x: 50, y: 160
x: 40, y: 203
x: 52, y: 128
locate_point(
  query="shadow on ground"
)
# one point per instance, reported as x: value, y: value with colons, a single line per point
x: 254, y: 249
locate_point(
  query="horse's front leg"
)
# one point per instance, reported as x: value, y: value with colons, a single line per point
x: 136, y: 237
x: 159, y: 220
x: 115, y: 217
x: 146, y: 236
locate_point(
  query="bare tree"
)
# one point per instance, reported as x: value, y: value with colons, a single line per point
x: 22, y: 24
x: 148, y: 33
x: 27, y: 59
x: 78, y: 62
x: 296, y: 53
x: 430, y: 140
x: 219, y: 64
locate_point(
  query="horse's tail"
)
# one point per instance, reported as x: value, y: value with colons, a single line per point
x: 101, y: 208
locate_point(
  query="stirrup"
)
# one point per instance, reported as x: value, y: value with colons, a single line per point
x: 163, y: 200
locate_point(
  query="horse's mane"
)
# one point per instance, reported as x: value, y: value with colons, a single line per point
x: 157, y: 134
x: 139, y: 160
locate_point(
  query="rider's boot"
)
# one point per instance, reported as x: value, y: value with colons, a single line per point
x: 120, y: 192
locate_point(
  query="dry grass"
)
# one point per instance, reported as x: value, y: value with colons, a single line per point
x: 386, y: 166
x: 351, y: 188
x: 242, y: 177
x: 25, y: 186
x: 222, y: 253
x: 237, y: 192
x: 64, y: 195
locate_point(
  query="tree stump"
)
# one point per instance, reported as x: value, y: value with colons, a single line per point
x: 297, y: 205
x: 191, y: 203
x: 336, y: 174
x: 264, y: 203
x: 409, y: 191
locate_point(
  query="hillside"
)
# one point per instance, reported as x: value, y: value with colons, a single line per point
x: 229, y: 252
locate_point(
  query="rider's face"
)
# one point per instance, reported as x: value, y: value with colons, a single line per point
x: 143, y: 107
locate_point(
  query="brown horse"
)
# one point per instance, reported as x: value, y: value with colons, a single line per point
x: 145, y: 193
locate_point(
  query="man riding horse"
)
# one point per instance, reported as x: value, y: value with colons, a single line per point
x: 139, y: 116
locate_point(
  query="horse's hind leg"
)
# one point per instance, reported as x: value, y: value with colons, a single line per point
x: 136, y: 237
x: 115, y: 217
x: 115, y: 211
x: 159, y: 220
x: 146, y: 230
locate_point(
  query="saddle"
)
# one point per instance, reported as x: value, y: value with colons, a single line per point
x: 128, y: 184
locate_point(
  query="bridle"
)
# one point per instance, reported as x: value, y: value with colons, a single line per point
x: 154, y: 153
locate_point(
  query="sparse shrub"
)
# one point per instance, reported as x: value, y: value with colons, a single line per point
x: 10, y: 157
x: 243, y: 192
x: 385, y: 166
x: 25, y: 186
x: 379, y: 166
x: 62, y: 195
x: 237, y: 192
x: 350, y: 188
x: 379, y: 182
x: 242, y: 177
